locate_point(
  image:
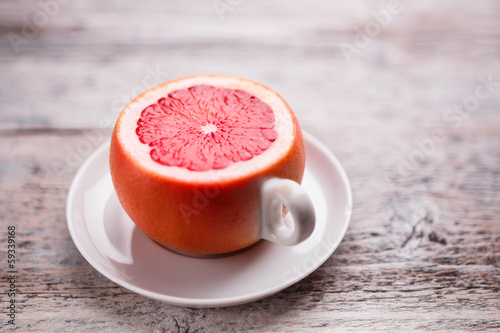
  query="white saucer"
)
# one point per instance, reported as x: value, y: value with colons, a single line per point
x: 111, y: 242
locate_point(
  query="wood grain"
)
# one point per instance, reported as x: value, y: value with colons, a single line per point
x: 421, y: 260
x: 293, y: 49
x: 422, y: 252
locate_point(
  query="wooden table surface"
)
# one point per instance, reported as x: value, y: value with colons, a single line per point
x: 405, y: 93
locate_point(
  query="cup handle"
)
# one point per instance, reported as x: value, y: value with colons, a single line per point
x: 277, y: 192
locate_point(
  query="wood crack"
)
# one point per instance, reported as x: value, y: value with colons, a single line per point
x: 414, y: 230
x: 39, y: 131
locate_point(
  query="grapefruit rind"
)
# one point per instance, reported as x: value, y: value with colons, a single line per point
x: 140, y: 153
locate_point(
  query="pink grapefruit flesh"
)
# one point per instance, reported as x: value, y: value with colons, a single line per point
x: 205, y: 127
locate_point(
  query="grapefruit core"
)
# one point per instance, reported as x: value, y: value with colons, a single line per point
x: 188, y: 158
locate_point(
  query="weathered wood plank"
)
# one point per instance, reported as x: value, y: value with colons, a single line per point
x: 422, y: 252
x: 411, y: 74
x: 81, y: 94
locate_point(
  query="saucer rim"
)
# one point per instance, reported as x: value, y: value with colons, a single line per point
x: 209, y: 302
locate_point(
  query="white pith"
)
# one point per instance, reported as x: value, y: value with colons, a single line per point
x: 209, y: 128
x: 141, y: 152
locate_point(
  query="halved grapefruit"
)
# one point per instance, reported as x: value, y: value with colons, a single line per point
x: 188, y: 158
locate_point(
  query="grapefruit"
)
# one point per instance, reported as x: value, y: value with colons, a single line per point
x: 188, y: 158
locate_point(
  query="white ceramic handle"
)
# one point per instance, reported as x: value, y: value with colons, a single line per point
x: 276, y: 193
